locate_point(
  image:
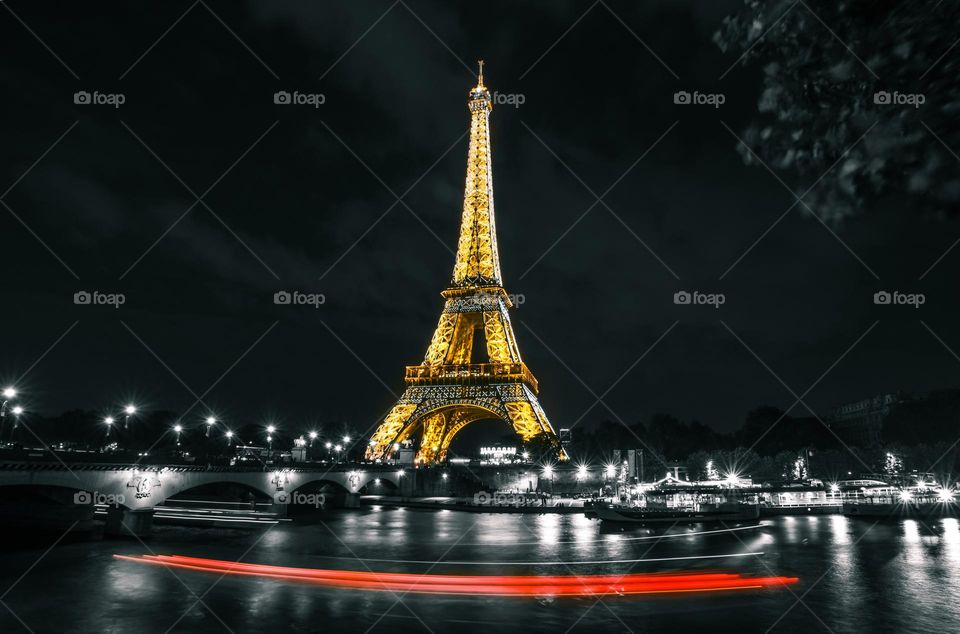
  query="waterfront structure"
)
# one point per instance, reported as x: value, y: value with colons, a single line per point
x: 472, y: 369
x: 861, y: 422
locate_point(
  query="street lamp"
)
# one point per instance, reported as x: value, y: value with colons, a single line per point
x: 211, y: 421
x: 313, y: 437
x: 178, y: 428
x: 129, y: 410
x: 346, y: 440
x: 17, y: 410
x: 9, y: 393
x: 270, y: 431
x: 229, y: 435
x: 108, y: 421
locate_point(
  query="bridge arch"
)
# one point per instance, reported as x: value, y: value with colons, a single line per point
x: 441, y: 423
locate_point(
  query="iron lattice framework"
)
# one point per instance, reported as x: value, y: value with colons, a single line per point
x: 457, y: 384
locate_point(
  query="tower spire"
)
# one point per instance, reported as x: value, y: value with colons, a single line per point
x: 478, y: 263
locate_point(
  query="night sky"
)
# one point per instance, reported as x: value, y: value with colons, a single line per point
x: 302, y: 198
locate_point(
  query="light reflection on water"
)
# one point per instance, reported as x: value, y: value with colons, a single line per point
x: 857, y: 575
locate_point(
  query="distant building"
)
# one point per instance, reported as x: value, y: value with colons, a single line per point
x: 861, y: 422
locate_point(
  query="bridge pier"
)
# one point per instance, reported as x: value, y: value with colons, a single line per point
x: 125, y: 522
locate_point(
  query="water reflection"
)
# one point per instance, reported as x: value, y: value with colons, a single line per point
x: 857, y: 575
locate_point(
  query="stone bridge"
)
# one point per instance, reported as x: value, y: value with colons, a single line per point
x: 131, y: 492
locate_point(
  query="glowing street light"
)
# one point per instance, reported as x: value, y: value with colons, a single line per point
x: 229, y: 435
x: 178, y: 429
x: 581, y: 472
x: 945, y: 495
x: 906, y: 496
x: 444, y: 476
x: 108, y: 421
x: 610, y: 470
x: 9, y: 393
x: 313, y: 436
x: 129, y: 411
x: 17, y: 410
x: 346, y: 440
x: 211, y: 421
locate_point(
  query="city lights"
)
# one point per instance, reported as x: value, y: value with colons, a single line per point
x: 9, y: 392
x: 945, y: 495
x: 271, y: 429
x: 17, y: 410
x: 906, y: 496
x: 581, y: 472
x: 130, y: 409
x: 313, y: 435
x: 108, y: 421
x: 178, y: 428
x: 211, y: 420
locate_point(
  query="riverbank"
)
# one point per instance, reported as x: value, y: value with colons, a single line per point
x: 560, y: 506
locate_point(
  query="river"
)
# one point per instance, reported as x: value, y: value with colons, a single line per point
x: 854, y: 575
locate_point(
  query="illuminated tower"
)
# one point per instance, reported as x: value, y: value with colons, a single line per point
x: 472, y: 370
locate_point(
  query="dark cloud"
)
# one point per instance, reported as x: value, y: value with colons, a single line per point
x: 302, y: 201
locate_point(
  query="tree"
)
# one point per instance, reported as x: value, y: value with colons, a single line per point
x: 820, y: 97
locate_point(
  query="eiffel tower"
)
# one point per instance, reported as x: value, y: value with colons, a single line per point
x: 461, y: 380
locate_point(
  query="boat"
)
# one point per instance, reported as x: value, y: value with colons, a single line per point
x: 735, y: 512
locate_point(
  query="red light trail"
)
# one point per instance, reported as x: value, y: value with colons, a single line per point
x: 497, y: 585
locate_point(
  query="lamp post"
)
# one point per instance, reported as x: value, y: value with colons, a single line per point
x: 9, y: 393
x: 17, y: 410
x: 313, y: 436
x: 270, y: 431
x: 229, y: 436
x: 108, y: 421
x: 178, y: 429
x: 129, y: 411
x: 548, y: 473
